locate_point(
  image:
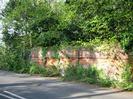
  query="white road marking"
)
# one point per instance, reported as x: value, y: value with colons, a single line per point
x: 17, y: 96
x: 3, y: 95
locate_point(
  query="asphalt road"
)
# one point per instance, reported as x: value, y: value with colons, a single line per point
x: 22, y: 86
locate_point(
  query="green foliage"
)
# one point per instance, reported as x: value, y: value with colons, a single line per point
x: 44, y: 51
x: 104, y: 19
x: 89, y: 75
x: 35, y: 69
x: 52, y: 72
x: 81, y: 20
x: 51, y: 24
x: 44, y: 71
x: 127, y: 74
x: 93, y: 75
x: 127, y: 77
x: 2, y: 58
x: 13, y: 60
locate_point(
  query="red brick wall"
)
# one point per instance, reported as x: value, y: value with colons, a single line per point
x: 111, y: 64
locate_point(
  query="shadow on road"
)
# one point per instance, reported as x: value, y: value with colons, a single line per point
x: 56, y: 89
x: 100, y: 94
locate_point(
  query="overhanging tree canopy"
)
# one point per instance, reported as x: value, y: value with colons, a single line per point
x: 42, y: 23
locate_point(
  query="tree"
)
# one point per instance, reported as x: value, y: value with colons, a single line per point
x: 104, y: 19
x: 33, y: 23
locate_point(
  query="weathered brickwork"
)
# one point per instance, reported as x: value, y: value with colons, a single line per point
x: 111, y: 64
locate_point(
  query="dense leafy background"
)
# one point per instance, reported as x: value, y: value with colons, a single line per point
x: 32, y: 23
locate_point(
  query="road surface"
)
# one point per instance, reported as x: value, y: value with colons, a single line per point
x: 23, y: 86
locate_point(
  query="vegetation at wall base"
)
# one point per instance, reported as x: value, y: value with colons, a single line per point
x: 89, y: 75
x: 92, y: 75
x: 127, y: 77
x: 51, y: 71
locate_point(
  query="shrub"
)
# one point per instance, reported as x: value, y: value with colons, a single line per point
x: 44, y: 71
x: 89, y: 75
x: 13, y: 61
x: 127, y: 77
x: 70, y: 73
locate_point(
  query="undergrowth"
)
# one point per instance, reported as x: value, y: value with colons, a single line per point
x: 88, y: 75
x: 51, y: 71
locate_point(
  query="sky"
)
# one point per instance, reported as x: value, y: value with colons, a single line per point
x: 2, y: 5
